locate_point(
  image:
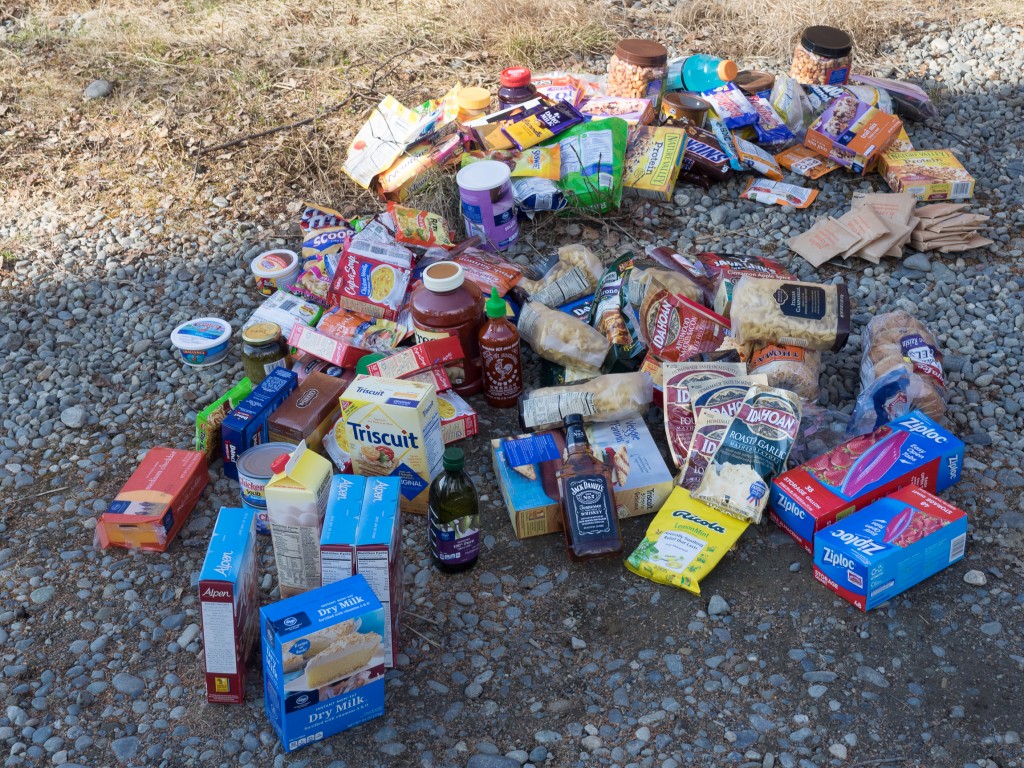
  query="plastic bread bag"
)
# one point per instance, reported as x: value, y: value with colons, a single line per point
x: 592, y: 157
x: 821, y: 430
x: 911, y: 101
x: 788, y: 367
x: 563, y: 339
x: 808, y: 315
x: 684, y: 542
x: 753, y: 452
x: 610, y: 397
x: 788, y: 99
x: 569, y: 256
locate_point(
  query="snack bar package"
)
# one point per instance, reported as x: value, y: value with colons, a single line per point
x: 809, y: 315
x: 684, y: 542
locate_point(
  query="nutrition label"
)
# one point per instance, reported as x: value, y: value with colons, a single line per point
x: 297, y: 552
x: 219, y: 638
x: 376, y: 569
x: 336, y: 566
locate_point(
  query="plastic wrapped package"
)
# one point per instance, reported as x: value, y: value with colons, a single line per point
x: 808, y: 315
x: 788, y: 367
x: 563, y: 339
x: 611, y: 397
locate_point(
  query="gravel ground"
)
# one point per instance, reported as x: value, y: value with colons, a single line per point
x: 524, y: 660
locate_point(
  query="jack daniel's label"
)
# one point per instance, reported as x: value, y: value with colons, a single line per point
x: 589, y: 507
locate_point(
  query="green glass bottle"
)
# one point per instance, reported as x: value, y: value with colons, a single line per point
x: 453, y: 517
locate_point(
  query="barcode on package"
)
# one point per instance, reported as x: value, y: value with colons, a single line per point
x: 961, y: 189
x: 956, y: 547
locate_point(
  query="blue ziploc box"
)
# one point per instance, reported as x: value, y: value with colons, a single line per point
x: 228, y: 603
x: 888, y: 547
x: 379, y: 554
x: 323, y: 661
x: 246, y: 425
x: 338, y: 537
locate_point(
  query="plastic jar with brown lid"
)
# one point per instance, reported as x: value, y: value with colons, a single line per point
x: 824, y: 56
x: 638, y: 70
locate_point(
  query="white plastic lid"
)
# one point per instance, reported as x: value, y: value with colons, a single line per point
x: 201, y: 333
x: 443, y: 276
x: 482, y: 176
x: 275, y: 263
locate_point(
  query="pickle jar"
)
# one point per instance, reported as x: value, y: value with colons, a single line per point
x: 263, y: 350
x: 638, y: 70
x: 822, y: 57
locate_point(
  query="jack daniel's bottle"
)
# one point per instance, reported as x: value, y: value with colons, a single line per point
x: 589, y: 517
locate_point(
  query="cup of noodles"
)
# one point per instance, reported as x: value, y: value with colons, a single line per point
x: 275, y: 269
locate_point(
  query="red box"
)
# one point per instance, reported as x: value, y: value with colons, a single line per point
x: 418, y: 357
x: 320, y: 345
x: 152, y: 506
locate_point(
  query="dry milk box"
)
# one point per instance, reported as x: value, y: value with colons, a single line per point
x: 247, y: 425
x: 392, y: 427
x: 323, y: 661
x: 911, y: 449
x: 229, y: 603
x: 889, y: 546
x: 296, y: 503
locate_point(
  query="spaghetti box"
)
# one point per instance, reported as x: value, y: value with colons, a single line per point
x: 911, y: 449
x: 228, y: 603
x: 247, y: 425
x: 889, y: 546
x: 323, y: 661
x: 151, y: 507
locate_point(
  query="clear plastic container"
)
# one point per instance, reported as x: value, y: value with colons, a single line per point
x: 473, y: 103
x: 824, y: 56
x: 638, y: 70
x: 516, y: 87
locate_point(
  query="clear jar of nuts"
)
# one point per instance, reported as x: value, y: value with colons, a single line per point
x: 638, y: 70
x: 822, y: 57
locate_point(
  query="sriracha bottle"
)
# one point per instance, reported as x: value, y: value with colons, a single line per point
x: 500, y: 358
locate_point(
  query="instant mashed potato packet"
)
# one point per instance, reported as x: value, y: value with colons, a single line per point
x: 684, y: 542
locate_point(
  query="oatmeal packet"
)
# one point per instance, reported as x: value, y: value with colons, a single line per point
x: 809, y: 315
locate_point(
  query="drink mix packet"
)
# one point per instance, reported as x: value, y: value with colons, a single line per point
x: 535, y: 162
x: 209, y: 419
x: 684, y: 542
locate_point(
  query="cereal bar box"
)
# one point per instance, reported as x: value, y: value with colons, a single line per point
x: 853, y: 133
x: 930, y: 175
x: 888, y: 547
x: 910, y: 450
x: 653, y: 161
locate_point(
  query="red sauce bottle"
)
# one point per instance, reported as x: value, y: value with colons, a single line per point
x: 500, y: 356
x: 448, y: 305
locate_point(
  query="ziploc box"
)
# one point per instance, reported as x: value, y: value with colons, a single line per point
x: 889, y: 546
x: 246, y: 425
x: 911, y: 449
x: 154, y: 503
x: 323, y: 661
x: 229, y: 605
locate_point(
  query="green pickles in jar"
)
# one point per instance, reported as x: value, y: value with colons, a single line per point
x: 263, y: 350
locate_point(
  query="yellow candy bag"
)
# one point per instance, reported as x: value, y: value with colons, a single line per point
x: 684, y: 542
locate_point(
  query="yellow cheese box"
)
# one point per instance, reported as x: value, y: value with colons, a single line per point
x: 929, y: 175
x: 392, y: 427
x: 653, y: 161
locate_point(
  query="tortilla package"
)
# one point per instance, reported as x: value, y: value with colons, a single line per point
x: 677, y: 407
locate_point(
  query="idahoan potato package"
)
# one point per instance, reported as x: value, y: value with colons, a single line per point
x: 684, y: 542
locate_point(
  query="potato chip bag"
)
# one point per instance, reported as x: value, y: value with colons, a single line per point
x: 684, y: 542
x: 420, y: 228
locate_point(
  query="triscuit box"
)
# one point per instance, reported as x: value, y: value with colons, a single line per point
x: 323, y: 661
x: 392, y: 427
x: 888, y: 547
x: 526, y: 468
x: 928, y: 175
x: 246, y: 425
x: 308, y: 412
x: 458, y: 419
x: 911, y: 449
x: 151, y: 507
x: 229, y: 604
x: 852, y: 133
x: 653, y: 161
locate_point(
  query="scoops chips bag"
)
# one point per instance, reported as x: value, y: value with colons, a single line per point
x: 684, y: 542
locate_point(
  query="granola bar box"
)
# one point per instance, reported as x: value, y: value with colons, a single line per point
x: 323, y: 661
x: 888, y: 547
x: 910, y: 450
x: 928, y: 175
x: 853, y: 133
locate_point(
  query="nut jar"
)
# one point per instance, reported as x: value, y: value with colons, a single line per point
x: 637, y: 70
x: 822, y: 57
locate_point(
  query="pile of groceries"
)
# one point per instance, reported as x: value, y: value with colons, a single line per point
x: 377, y: 341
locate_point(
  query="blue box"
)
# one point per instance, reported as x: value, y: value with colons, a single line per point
x: 323, y: 661
x: 246, y: 425
x: 338, y: 537
x: 379, y: 555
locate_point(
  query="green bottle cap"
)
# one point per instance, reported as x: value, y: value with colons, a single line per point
x: 454, y: 459
x: 495, y: 305
x: 364, y: 362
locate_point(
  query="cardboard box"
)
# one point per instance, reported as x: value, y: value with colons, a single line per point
x: 151, y: 507
x: 419, y: 357
x: 296, y: 504
x: 634, y: 111
x: 458, y: 419
x: 392, y: 427
x: 308, y: 412
x: 323, y: 661
x: 531, y: 493
x: 246, y: 425
x: 853, y: 133
x: 911, y: 449
x: 229, y: 604
x: 888, y: 547
x: 322, y: 346
x: 928, y: 175
x: 653, y: 161
x: 338, y: 538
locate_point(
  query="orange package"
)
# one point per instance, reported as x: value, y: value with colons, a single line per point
x: 421, y: 228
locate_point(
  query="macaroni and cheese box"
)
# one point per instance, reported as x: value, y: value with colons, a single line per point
x: 888, y: 547
x: 246, y: 425
x: 323, y: 661
x: 229, y: 604
x: 151, y: 507
x: 912, y: 449
x: 933, y: 174
x: 392, y: 427
x: 852, y: 133
x: 653, y: 161
x: 526, y: 466
x: 308, y: 412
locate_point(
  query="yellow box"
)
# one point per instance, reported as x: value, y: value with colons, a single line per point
x: 932, y: 174
x: 653, y: 161
x: 902, y: 143
x: 392, y: 427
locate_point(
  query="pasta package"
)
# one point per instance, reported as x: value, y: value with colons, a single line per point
x: 677, y: 407
x: 809, y: 315
x: 611, y: 397
x: 752, y: 453
x: 684, y: 542
x: 788, y: 367
x: 563, y: 339
x: 708, y: 431
x: 569, y: 256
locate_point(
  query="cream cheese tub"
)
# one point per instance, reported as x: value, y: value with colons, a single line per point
x: 202, y: 341
x: 275, y: 269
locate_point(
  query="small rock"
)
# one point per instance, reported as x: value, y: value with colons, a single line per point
x: 547, y: 737
x: 538, y: 755
x: 129, y: 685
x: 873, y: 676
x: 125, y: 749
x: 991, y: 628
x: 492, y: 761
x: 577, y: 644
x: 42, y: 595
x: 717, y: 606
x: 918, y: 261
x: 73, y: 417
x: 474, y: 690
x: 98, y: 89
x: 975, y: 578
x: 838, y: 750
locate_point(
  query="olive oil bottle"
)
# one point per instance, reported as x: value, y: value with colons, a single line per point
x: 453, y: 517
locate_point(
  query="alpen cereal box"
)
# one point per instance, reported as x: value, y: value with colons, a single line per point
x: 888, y: 547
x: 323, y: 661
x: 392, y: 427
x: 929, y: 175
x: 229, y: 604
x: 912, y: 449
x: 338, y: 538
